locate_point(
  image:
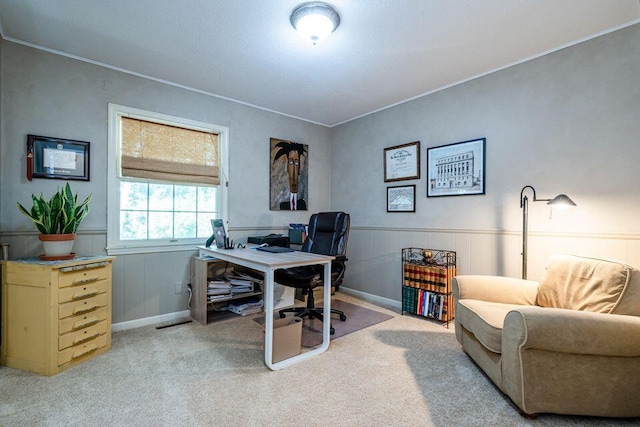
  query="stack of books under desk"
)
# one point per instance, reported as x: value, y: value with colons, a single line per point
x: 230, y: 285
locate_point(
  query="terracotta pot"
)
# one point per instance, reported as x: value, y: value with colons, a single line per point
x: 57, y: 245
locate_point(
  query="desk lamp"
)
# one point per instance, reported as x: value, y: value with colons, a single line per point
x: 560, y: 201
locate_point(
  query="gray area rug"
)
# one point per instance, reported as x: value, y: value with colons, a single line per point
x: 358, y: 318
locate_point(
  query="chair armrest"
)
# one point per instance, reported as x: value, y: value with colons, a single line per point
x: 340, y: 258
x: 506, y: 290
x: 571, y: 331
x: 338, y: 268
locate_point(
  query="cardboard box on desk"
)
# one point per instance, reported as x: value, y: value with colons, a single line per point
x: 287, y: 338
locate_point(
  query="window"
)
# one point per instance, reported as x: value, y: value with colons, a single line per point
x: 166, y: 181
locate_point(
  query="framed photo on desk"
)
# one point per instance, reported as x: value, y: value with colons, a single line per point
x: 219, y: 233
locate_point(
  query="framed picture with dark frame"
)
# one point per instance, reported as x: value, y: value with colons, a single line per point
x: 57, y: 158
x: 401, y: 198
x: 289, y: 175
x: 456, y: 169
x: 402, y: 162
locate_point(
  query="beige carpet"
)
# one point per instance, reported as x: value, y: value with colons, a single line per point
x: 405, y: 371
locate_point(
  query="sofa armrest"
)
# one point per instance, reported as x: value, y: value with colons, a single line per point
x: 506, y: 290
x: 572, y: 331
x: 571, y: 362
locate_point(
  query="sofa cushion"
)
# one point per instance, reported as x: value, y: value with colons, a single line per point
x: 484, y: 320
x: 589, y: 284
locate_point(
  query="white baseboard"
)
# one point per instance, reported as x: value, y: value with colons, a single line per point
x: 146, y: 321
x: 388, y: 302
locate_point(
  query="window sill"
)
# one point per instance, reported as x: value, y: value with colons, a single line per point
x: 130, y: 250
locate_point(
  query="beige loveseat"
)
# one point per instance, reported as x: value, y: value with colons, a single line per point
x: 568, y: 345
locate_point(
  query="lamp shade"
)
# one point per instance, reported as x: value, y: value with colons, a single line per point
x: 561, y: 201
x: 314, y: 21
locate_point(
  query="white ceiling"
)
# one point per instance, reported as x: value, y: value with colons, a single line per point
x: 384, y: 52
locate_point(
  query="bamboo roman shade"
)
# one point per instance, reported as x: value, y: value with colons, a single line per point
x: 168, y: 153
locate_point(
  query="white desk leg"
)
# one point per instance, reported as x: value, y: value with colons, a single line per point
x: 326, y: 324
x: 268, y: 318
x: 268, y: 333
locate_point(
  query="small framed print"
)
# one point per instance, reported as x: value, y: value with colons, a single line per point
x: 402, y: 162
x: 456, y: 169
x: 401, y: 198
x: 219, y: 234
x: 57, y: 158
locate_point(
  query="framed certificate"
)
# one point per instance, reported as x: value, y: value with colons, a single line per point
x: 402, y: 162
x: 57, y: 158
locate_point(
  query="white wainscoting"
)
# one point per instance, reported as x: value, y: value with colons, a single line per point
x: 374, y: 254
x: 144, y: 284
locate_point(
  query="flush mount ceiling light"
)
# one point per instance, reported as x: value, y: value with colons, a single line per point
x: 315, y: 20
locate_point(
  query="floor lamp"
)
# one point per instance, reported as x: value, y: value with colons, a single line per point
x: 561, y: 200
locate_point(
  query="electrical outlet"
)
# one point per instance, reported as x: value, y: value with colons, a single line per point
x: 178, y: 287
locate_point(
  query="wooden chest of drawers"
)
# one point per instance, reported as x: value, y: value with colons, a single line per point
x: 55, y: 315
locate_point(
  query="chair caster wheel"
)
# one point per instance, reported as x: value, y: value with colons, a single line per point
x: 343, y: 317
x: 283, y: 315
x: 332, y: 330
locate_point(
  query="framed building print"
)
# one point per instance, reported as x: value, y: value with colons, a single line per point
x: 456, y: 169
x: 401, y: 198
x: 402, y: 162
x: 57, y: 158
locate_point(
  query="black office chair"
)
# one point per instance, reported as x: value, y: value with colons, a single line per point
x: 327, y: 235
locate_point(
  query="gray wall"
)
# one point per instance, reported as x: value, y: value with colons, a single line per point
x: 51, y: 95
x: 566, y: 122
x: 1, y: 127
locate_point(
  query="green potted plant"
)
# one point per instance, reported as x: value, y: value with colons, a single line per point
x: 57, y: 220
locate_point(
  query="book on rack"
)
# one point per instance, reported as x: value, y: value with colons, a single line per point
x: 433, y: 306
x: 407, y: 298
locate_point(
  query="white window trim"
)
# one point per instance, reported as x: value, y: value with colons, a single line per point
x: 115, y: 246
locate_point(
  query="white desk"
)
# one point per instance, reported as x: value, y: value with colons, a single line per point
x: 267, y: 263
